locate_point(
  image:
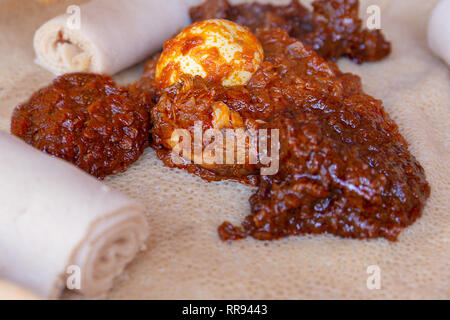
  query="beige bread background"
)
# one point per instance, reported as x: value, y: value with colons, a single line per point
x: 10, y: 291
x: 186, y: 259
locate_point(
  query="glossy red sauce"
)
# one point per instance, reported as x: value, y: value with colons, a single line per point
x: 344, y: 167
x: 85, y: 119
x: 333, y: 28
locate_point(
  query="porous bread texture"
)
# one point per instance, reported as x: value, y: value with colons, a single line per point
x: 185, y: 258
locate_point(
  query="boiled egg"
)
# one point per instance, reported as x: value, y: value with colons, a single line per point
x: 216, y: 49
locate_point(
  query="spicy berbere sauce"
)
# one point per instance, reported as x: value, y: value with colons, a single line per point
x: 333, y: 28
x: 85, y: 119
x: 344, y: 168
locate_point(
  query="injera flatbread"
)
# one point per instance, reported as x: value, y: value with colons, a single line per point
x: 186, y: 259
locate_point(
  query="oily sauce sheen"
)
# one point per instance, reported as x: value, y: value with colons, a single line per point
x: 333, y: 29
x: 87, y: 120
x: 344, y: 168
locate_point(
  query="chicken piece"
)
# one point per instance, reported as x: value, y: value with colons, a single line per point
x: 194, y: 107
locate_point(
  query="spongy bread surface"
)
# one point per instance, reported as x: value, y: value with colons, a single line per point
x: 185, y: 258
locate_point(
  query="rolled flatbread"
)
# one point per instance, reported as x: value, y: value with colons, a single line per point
x: 106, y: 36
x: 439, y: 31
x: 59, y: 226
